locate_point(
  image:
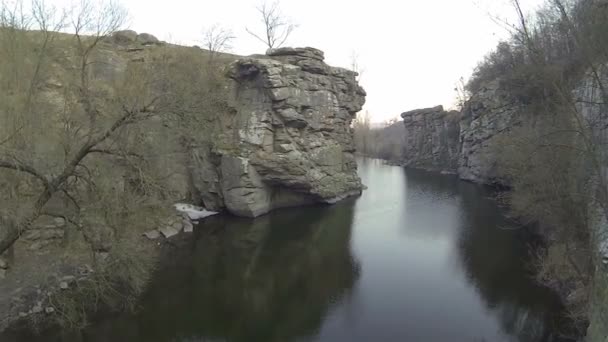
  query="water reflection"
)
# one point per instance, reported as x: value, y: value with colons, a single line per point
x: 271, y: 279
x: 494, y: 255
x: 419, y: 257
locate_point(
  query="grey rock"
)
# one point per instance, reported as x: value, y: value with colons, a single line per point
x: 49, y: 310
x: 178, y: 226
x: 486, y: 118
x: 147, y: 39
x: 124, y: 36
x: 295, y: 144
x: 152, y: 235
x: 23, y: 314
x: 37, y: 309
x: 306, y: 52
x: 169, y: 232
x: 64, y: 285
x: 3, y: 264
x: 188, y: 226
x: 431, y: 139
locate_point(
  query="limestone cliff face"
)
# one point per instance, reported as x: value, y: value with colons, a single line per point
x: 463, y: 142
x: 486, y: 117
x: 288, y: 139
x: 432, y: 139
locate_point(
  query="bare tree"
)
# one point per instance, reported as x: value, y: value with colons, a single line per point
x: 356, y: 66
x: 86, y: 134
x: 31, y: 157
x: 277, y: 28
x: 363, y: 133
x: 462, y: 95
x: 217, y: 39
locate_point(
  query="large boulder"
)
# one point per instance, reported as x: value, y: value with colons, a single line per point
x: 147, y: 39
x: 124, y: 37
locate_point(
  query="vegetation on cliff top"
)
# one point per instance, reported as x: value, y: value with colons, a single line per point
x: 554, y: 160
x: 91, y: 122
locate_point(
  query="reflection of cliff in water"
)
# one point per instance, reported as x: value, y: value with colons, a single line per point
x: 270, y: 279
x: 495, y: 259
x: 278, y: 281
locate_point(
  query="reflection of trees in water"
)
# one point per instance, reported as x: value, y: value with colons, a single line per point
x: 278, y: 281
x: 495, y: 260
x: 270, y: 279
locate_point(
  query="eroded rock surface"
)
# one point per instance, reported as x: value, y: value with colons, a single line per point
x: 432, y: 139
x: 487, y: 115
x: 289, y: 140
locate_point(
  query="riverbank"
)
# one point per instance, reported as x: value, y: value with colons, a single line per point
x: 62, y: 281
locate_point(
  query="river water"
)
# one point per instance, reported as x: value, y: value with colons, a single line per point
x: 418, y: 257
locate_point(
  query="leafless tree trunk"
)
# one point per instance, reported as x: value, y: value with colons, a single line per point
x: 217, y: 39
x: 91, y: 24
x: 277, y: 28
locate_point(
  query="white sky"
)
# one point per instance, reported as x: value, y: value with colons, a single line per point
x: 412, y: 52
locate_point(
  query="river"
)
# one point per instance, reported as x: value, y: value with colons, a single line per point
x: 418, y: 257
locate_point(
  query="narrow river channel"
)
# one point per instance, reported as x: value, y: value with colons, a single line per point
x: 418, y: 257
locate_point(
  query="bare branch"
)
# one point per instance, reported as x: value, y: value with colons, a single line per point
x: 277, y: 28
x: 217, y: 39
x: 21, y: 167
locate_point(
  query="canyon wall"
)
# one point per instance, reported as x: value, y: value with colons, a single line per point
x: 487, y: 116
x: 492, y: 119
x: 431, y: 139
x: 461, y: 142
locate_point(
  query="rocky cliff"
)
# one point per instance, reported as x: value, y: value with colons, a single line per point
x: 486, y: 117
x: 287, y: 140
x: 461, y: 142
x: 431, y: 139
x: 492, y: 119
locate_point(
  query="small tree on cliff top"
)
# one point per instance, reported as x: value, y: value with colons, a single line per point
x: 277, y: 28
x: 217, y: 39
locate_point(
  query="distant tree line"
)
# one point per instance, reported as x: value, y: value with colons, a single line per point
x: 381, y: 140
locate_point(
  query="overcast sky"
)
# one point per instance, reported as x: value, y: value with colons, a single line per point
x: 413, y: 52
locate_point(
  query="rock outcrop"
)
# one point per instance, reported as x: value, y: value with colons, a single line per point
x: 461, y: 142
x: 289, y: 140
x: 432, y: 139
x: 487, y: 115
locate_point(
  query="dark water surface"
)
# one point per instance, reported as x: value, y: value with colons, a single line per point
x: 419, y: 257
